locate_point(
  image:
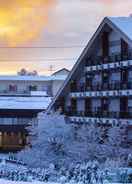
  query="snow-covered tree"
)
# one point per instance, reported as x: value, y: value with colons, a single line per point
x: 116, y: 142
x: 49, y: 139
x: 55, y: 141
x: 25, y: 72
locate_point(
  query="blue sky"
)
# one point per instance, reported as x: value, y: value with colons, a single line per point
x: 70, y: 23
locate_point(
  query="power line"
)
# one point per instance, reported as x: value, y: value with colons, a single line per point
x: 45, y: 47
x: 35, y: 59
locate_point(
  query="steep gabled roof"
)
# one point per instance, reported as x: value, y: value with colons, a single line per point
x: 122, y: 25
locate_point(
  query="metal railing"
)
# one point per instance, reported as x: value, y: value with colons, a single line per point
x: 104, y: 86
x: 115, y: 57
x: 100, y: 114
x: 14, y: 93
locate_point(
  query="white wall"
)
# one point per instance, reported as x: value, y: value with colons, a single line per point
x: 130, y: 134
x: 130, y: 103
x: 96, y: 103
x: 115, y: 76
x: 130, y: 75
x: 114, y: 105
x: 67, y: 101
x: 114, y: 37
x: 97, y: 78
x: 80, y: 105
x: 56, y: 86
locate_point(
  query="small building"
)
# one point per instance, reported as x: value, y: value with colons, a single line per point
x: 61, y: 72
x: 99, y: 87
x: 24, y: 85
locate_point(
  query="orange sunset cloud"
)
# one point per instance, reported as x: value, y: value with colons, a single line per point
x: 22, y: 20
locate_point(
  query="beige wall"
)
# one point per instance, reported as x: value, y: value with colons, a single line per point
x: 56, y: 86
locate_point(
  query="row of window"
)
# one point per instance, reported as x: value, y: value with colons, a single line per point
x: 103, y: 81
x: 14, y: 88
x: 98, y: 60
x: 15, y: 121
x: 102, y: 107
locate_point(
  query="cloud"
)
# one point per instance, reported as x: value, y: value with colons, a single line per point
x: 22, y: 21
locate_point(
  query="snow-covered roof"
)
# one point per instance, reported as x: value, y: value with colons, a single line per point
x: 124, y: 24
x: 62, y: 71
x: 37, y: 103
x: 31, y: 78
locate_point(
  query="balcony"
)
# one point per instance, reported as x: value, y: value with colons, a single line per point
x: 101, y: 114
x: 111, y: 62
x: 15, y: 93
x: 117, y: 85
x: 23, y: 93
x: 103, y: 89
x: 97, y: 94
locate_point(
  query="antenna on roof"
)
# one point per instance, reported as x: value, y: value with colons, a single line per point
x: 51, y: 69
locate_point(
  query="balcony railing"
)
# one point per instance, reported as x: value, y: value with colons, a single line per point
x: 101, y: 114
x: 116, y: 57
x: 104, y: 87
x: 14, y: 93
x: 23, y: 93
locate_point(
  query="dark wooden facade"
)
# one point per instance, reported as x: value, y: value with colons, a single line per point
x: 14, y: 137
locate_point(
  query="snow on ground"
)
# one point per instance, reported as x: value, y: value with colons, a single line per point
x: 35, y: 182
x: 20, y: 182
x: 24, y: 102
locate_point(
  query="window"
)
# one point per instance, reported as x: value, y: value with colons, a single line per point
x: 124, y: 49
x: 105, y: 44
x: 0, y: 139
x: 32, y: 88
x: 12, y: 88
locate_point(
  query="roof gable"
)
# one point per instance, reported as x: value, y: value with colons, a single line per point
x: 115, y: 25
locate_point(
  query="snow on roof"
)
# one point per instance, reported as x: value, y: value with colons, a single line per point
x: 31, y: 78
x: 59, y: 72
x: 124, y: 24
x: 24, y: 102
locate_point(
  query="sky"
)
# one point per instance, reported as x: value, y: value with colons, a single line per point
x: 38, y: 34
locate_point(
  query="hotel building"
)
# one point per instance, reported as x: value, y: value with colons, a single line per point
x: 99, y: 87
